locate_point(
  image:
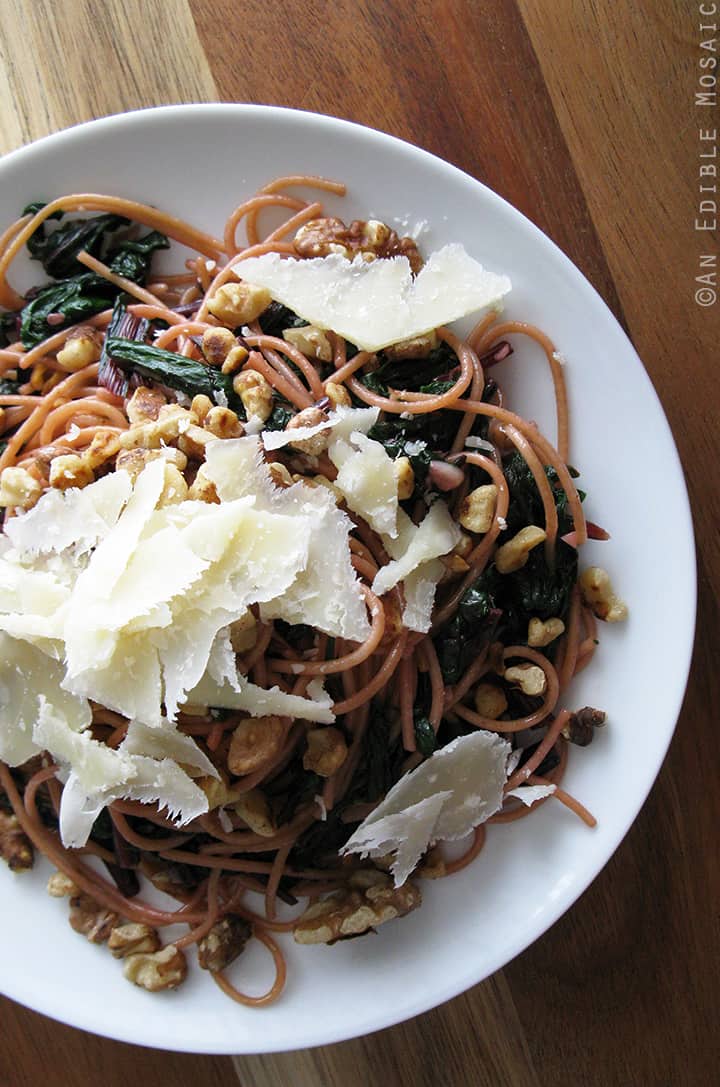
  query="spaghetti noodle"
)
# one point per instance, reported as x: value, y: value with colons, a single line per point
x: 275, y: 828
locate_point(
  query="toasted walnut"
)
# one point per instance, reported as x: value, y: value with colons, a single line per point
x: 223, y: 423
x: 172, y: 420
x: 369, y: 900
x: 203, y: 489
x: 371, y: 238
x: 70, y: 471
x: 580, y: 726
x: 19, y: 489
x: 200, y: 407
x: 280, y: 475
x: 236, y: 357
x: 15, y: 846
x: 417, y: 347
x: 219, y: 794
x: 91, y: 919
x: 338, y: 395
x: 464, y: 546
x: 133, y: 939
x: 477, y: 509
x: 597, y: 591
x: 254, y: 808
x: 432, y: 865
x: 312, y: 341
x: 255, y: 392
x: 530, y: 678
x: 102, y: 448
x: 404, y: 477
x: 254, y: 742
x: 239, y: 303
x: 223, y: 943
x: 61, y: 886
x: 133, y: 461
x: 175, y: 488
x: 490, y: 701
x: 542, y: 632
x: 159, y: 970
x: 82, y: 347
x: 454, y: 566
x: 243, y: 633
x: 144, y: 405
x: 514, y: 554
x: 194, y: 440
x: 326, y: 751
x: 217, y: 343
x: 310, y: 417
x: 321, y: 237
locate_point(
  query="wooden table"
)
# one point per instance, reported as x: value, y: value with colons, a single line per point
x: 583, y: 114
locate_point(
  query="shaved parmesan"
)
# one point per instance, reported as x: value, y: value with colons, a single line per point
x: 530, y: 793
x: 436, y: 535
x: 77, y: 518
x: 27, y: 677
x: 456, y: 789
x: 378, y: 303
x: 260, y: 702
x: 366, y: 479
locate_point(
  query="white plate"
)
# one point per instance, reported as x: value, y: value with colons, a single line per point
x: 199, y: 162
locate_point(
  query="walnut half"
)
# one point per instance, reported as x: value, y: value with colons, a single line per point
x: 369, y: 900
x: 91, y: 919
x: 164, y: 969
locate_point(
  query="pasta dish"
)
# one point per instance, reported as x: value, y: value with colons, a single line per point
x: 289, y: 594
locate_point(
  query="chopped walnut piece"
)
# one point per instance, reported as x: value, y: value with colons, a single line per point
x: 217, y: 343
x: 133, y: 939
x: 164, y: 969
x: 581, y: 725
x: 254, y: 742
x: 144, y: 405
x: 310, y: 417
x: 598, y: 593
x: 91, y: 919
x: 61, y: 886
x: 223, y: 943
x: 322, y: 237
x: 18, y: 488
x: 326, y: 751
x: 369, y: 900
x: 530, y: 678
x: 15, y: 846
x: 254, y: 808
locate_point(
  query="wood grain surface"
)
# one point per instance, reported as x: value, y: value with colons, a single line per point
x: 582, y: 113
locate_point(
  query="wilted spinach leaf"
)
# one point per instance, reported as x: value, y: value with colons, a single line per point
x: 279, y: 417
x: 175, y: 371
x: 276, y: 318
x: 132, y: 259
x: 424, y: 735
x: 58, y: 249
x: 76, y: 299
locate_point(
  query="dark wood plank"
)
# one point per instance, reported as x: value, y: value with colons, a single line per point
x: 459, y: 79
x: 37, y: 1052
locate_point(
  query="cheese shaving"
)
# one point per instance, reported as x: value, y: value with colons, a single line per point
x: 378, y: 303
x: 456, y: 789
